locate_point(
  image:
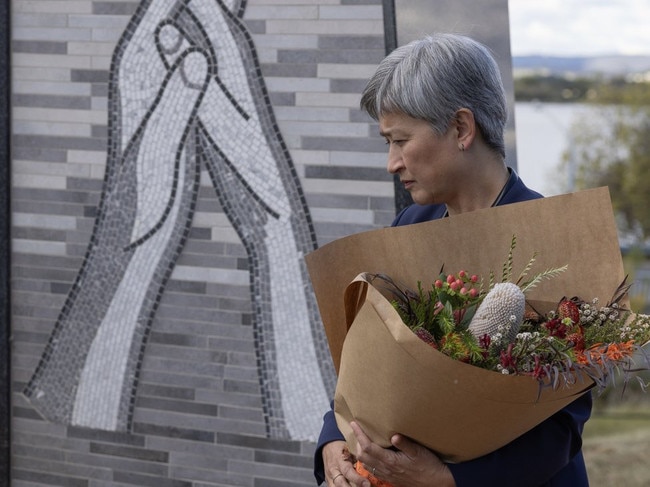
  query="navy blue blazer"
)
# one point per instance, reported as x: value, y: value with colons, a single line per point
x: 549, y: 455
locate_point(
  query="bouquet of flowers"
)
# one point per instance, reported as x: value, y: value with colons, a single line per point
x: 500, y: 354
x: 495, y: 329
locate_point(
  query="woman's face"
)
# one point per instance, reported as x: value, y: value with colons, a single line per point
x: 426, y: 163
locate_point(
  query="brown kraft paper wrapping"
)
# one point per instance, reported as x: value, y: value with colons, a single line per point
x: 389, y: 381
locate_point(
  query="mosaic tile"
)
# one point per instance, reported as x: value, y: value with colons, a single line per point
x: 186, y: 94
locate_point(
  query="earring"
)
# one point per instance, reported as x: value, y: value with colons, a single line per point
x: 462, y: 147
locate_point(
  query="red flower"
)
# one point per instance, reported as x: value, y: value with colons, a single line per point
x: 539, y: 371
x: 556, y: 328
x: 568, y: 309
x: 578, y: 341
x: 507, y: 360
x: 484, y: 343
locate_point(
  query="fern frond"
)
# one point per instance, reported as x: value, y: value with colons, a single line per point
x: 526, y: 269
x: 491, y: 280
x: 547, y: 274
x: 507, y: 265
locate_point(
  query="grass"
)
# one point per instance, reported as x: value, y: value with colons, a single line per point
x: 617, y: 441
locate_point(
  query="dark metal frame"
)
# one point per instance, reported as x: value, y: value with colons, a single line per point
x: 5, y: 247
x: 402, y: 197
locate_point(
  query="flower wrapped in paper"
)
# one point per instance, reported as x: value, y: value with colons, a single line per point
x: 391, y: 381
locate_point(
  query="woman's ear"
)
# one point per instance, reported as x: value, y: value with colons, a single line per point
x: 465, y: 128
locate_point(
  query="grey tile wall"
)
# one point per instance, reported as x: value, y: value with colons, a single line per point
x: 198, y: 412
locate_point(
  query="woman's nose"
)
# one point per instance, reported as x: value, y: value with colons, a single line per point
x: 394, y: 163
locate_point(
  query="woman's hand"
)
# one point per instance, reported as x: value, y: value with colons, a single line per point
x: 339, y: 466
x: 408, y: 465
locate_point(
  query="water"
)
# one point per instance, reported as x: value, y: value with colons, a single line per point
x: 543, y: 136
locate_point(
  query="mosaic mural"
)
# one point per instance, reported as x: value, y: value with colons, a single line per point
x: 186, y: 93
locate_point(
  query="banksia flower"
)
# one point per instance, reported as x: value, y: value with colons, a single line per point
x: 568, y: 309
x: 501, y: 311
x: 578, y: 340
x: 424, y: 335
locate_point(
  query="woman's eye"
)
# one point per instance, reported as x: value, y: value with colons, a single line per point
x: 394, y: 141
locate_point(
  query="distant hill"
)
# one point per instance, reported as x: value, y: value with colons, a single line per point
x: 604, y: 65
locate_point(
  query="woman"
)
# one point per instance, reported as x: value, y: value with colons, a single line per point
x: 441, y: 107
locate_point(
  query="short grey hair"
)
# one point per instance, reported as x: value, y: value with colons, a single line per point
x: 432, y: 78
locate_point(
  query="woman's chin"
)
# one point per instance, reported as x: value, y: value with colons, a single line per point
x: 421, y: 200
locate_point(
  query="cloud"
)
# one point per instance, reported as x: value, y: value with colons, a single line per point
x: 579, y: 27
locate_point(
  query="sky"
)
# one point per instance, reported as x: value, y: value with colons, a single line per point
x: 579, y: 27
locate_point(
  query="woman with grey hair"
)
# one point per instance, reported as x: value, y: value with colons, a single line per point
x: 441, y: 107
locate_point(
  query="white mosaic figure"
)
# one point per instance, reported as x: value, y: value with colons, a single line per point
x: 186, y: 91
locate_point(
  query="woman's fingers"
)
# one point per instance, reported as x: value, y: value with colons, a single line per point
x: 339, y: 466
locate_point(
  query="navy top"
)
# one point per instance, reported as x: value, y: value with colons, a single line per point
x: 549, y: 455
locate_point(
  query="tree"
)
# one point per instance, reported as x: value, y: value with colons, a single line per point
x: 612, y: 149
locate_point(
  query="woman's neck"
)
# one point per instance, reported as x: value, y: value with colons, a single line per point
x: 486, y: 191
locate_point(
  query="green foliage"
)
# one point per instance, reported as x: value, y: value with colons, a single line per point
x: 462, y: 346
x: 552, y: 89
x: 506, y: 273
x: 611, y: 148
x: 594, y: 89
x: 620, y: 92
x: 449, y: 304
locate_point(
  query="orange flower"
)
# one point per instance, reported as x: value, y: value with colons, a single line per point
x: 611, y: 352
x: 361, y: 470
x: 620, y: 351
